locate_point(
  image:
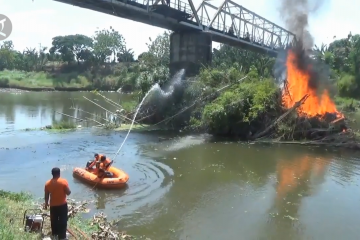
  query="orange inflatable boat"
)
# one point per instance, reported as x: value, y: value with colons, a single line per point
x: 118, y: 180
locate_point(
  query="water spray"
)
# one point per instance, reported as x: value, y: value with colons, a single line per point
x: 133, y: 120
x: 155, y: 87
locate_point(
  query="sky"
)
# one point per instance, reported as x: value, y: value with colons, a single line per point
x: 36, y: 22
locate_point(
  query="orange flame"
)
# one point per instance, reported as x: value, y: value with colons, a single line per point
x: 298, y: 87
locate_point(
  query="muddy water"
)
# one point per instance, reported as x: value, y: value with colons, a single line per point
x: 188, y: 187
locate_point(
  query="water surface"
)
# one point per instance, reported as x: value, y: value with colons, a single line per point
x: 186, y: 186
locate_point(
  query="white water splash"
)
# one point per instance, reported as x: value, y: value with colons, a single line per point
x: 133, y: 120
x: 155, y: 88
x: 163, y: 94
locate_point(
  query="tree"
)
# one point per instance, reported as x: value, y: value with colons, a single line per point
x: 159, y: 50
x: 72, y: 47
x: 126, y: 56
x: 108, y: 43
x: 343, y: 56
x: 7, y: 55
x: 32, y: 60
x: 54, y: 57
x: 226, y: 56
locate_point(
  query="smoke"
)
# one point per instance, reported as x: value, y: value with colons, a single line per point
x: 295, y: 14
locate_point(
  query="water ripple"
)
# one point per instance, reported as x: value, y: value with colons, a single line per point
x: 38, y: 152
x: 149, y: 181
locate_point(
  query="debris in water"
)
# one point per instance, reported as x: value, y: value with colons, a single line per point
x: 105, y: 231
x: 291, y: 218
x: 105, y: 228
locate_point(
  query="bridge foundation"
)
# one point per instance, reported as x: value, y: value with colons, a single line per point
x: 189, y: 50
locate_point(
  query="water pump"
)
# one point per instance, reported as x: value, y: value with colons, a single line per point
x: 33, y: 220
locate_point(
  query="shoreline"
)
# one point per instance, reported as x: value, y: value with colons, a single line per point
x: 14, y: 204
x: 137, y: 128
x: 13, y: 89
x: 21, y: 89
x: 123, y: 127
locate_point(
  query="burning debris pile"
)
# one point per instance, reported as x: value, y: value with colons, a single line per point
x: 309, y: 112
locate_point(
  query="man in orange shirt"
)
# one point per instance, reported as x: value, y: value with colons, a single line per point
x: 92, y: 163
x: 57, y: 189
x: 102, y: 166
x: 105, y: 162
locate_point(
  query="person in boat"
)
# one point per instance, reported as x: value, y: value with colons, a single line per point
x: 92, y: 163
x: 103, y: 166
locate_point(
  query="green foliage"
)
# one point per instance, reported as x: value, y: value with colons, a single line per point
x: 108, y: 43
x: 129, y: 105
x: 241, y: 108
x: 7, y: 55
x: 126, y: 55
x: 12, y: 207
x: 226, y: 56
x: 22, y: 79
x: 347, y: 104
x: 63, y: 125
x: 72, y: 47
x: 104, y: 62
x: 158, y: 51
x: 28, y: 60
x: 343, y: 57
x: 347, y: 85
x: 17, y: 197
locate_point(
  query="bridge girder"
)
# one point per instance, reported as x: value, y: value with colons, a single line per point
x: 230, y: 23
x: 244, y: 23
x: 178, y: 3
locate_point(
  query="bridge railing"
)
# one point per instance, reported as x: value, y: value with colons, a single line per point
x: 245, y: 36
x: 229, y: 19
x: 181, y: 6
x: 175, y: 4
x: 239, y: 22
x: 204, y: 21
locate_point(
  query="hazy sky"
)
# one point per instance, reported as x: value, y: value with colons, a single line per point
x: 37, y: 21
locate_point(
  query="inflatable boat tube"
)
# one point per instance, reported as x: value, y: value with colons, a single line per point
x: 117, y: 181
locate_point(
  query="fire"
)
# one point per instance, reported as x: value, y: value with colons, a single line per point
x: 297, y: 87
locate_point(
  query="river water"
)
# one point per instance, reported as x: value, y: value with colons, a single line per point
x: 185, y: 186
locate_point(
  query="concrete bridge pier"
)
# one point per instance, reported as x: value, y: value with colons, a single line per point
x: 189, y: 50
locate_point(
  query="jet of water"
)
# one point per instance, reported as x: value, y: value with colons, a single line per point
x: 155, y: 86
x: 161, y: 94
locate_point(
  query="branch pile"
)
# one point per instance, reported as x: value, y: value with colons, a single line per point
x: 290, y: 127
x: 105, y: 229
x: 77, y: 207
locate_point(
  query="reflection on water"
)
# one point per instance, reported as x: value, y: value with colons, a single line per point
x: 35, y: 110
x: 188, y: 187
x: 256, y: 192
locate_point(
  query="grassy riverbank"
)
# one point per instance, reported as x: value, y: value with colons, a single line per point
x: 58, y: 81
x: 67, y: 126
x: 12, y: 207
x: 43, y: 80
x: 136, y: 127
x: 58, y: 126
x: 347, y: 104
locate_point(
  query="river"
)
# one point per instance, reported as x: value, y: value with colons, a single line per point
x: 184, y: 186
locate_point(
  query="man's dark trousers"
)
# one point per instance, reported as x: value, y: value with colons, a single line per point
x: 59, y: 218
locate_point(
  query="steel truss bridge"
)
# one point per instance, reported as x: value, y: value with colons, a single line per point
x: 229, y: 23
